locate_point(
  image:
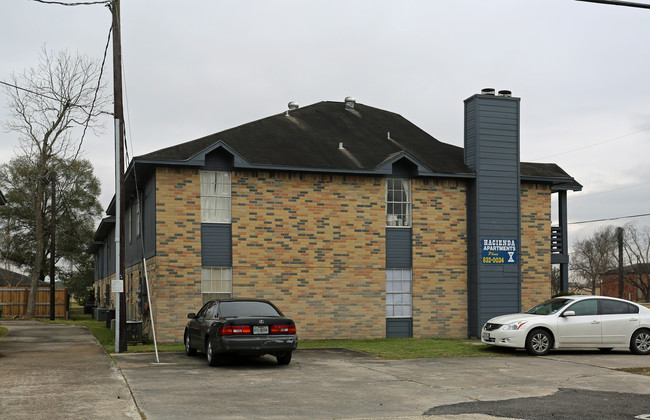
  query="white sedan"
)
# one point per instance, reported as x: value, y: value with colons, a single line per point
x: 573, y: 322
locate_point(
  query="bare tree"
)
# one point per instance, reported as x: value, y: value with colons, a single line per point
x: 593, y: 257
x: 636, y: 244
x: 49, y: 106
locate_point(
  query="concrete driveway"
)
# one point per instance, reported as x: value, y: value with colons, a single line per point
x: 325, y: 384
x: 56, y: 371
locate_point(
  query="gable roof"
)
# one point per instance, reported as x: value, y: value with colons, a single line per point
x: 324, y: 137
x: 327, y: 137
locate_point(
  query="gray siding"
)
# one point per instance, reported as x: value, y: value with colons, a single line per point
x: 216, y: 245
x: 144, y: 243
x: 492, y: 150
x: 398, y: 248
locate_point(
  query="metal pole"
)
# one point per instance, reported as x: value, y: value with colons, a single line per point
x: 620, y: 261
x: 52, y: 248
x: 120, y: 298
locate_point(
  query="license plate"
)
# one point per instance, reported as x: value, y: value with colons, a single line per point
x: 260, y: 329
x: 485, y: 336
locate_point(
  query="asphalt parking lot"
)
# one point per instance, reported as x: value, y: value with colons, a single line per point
x: 68, y: 380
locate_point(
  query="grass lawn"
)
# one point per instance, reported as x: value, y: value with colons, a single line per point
x: 3, y: 331
x: 384, y: 348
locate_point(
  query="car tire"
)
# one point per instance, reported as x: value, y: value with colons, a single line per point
x: 189, y: 350
x: 640, y: 342
x: 284, y: 358
x: 539, y: 342
x: 213, y: 358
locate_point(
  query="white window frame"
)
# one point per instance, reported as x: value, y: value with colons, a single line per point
x: 216, y: 282
x: 398, y: 202
x: 399, y: 293
x: 216, y: 197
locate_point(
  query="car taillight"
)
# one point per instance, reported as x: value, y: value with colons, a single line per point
x: 283, y: 329
x: 235, y: 330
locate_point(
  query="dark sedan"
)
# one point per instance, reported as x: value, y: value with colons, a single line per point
x: 240, y: 326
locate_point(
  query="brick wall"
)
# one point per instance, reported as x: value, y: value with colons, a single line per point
x: 439, y: 258
x: 314, y: 244
x: 535, y: 252
x: 175, y: 272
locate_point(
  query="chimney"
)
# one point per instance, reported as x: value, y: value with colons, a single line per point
x: 494, y: 206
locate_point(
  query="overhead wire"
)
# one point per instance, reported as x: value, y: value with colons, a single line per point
x: 62, y: 3
x: 591, y: 145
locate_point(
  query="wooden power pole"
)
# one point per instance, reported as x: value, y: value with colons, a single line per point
x: 118, y: 115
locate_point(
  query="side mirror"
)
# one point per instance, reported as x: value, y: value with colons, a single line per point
x: 569, y: 313
x: 191, y: 315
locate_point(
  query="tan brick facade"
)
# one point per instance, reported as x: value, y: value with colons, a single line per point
x: 439, y: 258
x: 315, y: 245
x: 535, y: 254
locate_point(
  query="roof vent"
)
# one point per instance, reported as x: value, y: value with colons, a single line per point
x: 349, y: 102
x: 293, y: 105
x: 341, y: 146
x: 487, y: 91
x: 505, y: 93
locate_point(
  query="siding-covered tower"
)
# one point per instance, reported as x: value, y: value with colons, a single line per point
x: 494, y: 209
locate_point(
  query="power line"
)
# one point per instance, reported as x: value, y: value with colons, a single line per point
x: 27, y: 90
x: 608, y: 219
x: 592, y: 145
x: 619, y: 3
x: 61, y: 3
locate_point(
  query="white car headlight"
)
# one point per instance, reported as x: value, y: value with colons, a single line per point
x: 514, y: 326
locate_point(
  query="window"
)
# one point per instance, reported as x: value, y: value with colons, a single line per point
x: 216, y: 282
x: 215, y: 197
x: 398, y: 202
x: 398, y: 293
x: 585, y: 307
x: 611, y: 307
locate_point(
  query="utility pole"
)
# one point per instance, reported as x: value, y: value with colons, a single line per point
x: 619, y: 234
x: 52, y: 246
x: 118, y: 115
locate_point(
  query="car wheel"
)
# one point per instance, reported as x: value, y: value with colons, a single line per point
x: 640, y: 343
x: 605, y: 349
x: 189, y: 350
x: 538, y: 342
x: 284, y: 358
x: 213, y: 358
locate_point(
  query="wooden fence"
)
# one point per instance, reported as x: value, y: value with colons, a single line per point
x: 13, y: 302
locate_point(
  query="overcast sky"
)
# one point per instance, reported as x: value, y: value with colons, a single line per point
x: 196, y: 67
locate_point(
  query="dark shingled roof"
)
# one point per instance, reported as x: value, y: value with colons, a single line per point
x: 310, y: 136
x: 327, y: 137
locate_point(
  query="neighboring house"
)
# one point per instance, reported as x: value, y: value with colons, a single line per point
x: 12, y: 279
x: 353, y: 220
x: 609, y: 283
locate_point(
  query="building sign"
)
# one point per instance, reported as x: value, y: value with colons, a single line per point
x: 499, y: 251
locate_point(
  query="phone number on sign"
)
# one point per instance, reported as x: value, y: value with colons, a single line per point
x: 493, y: 260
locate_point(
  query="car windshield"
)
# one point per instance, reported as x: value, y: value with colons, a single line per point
x: 549, y: 307
x: 245, y: 309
